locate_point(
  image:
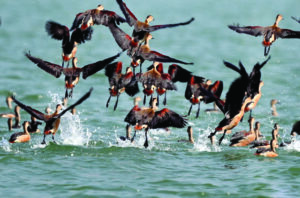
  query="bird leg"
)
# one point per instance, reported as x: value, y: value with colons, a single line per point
x: 116, y: 104
x: 44, y: 142
x: 68, y: 64
x: 211, y: 137
x: 165, y: 99
x: 198, y: 111
x: 157, y: 99
x: 221, y: 139
x: 107, y: 103
x: 190, y: 110
x: 66, y: 94
x: 250, y: 116
x: 150, y: 101
x: 144, y: 102
x: 63, y: 63
x: 53, y: 138
x: 132, y: 139
x: 146, y: 144
x: 71, y: 93
x: 9, y: 123
x: 141, y: 68
x: 267, y: 50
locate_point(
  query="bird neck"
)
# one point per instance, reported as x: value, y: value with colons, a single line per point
x: 274, y: 111
x: 191, y: 138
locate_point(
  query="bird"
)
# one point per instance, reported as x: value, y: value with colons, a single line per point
x: 235, y: 102
x: 244, y: 138
x: 270, y: 152
x: 155, y: 79
x: 273, y: 107
x: 262, y: 143
x: 144, y: 52
x: 97, y: 16
x: 69, y: 44
x: 194, y: 91
x: 190, y: 135
x: 33, y: 125
x: 52, y: 121
x: 10, y: 116
x: 8, y: 102
x: 151, y: 118
x: 270, y: 33
x: 128, y: 133
x: 120, y: 82
x: 21, y: 137
x: 71, y: 74
x: 141, y: 29
x: 296, y: 129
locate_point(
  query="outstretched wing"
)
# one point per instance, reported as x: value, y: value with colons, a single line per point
x: 91, y: 69
x: 83, y: 98
x: 33, y: 112
x: 167, y: 118
x: 80, y: 36
x: 131, y: 19
x: 51, y: 68
x: 156, y: 56
x: 178, y: 73
x: 157, y: 27
x: 286, y: 33
x: 121, y: 38
x: 57, y: 31
x: 251, y: 30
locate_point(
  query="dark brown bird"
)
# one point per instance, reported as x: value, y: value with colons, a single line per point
x: 71, y: 74
x: 97, y: 16
x: 141, y: 29
x: 296, y: 129
x: 120, y: 82
x: 33, y: 125
x: 69, y: 44
x: 20, y: 137
x: 150, y: 118
x: 52, y: 121
x: 270, y: 33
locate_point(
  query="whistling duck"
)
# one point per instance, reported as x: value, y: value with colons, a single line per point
x: 190, y: 135
x: 128, y: 133
x: 8, y: 102
x: 195, y: 94
x: 235, y: 102
x: 97, y: 16
x: 71, y: 74
x: 150, y: 118
x: 142, y: 28
x: 69, y: 44
x: 273, y: 107
x: 296, y: 129
x: 270, y: 33
x: 259, y: 143
x: 65, y: 104
x: 153, y: 79
x: 120, y: 82
x: 16, y: 115
x: 244, y: 138
x: 52, y: 121
x: 33, y: 125
x: 21, y: 137
x: 270, y: 152
x: 145, y: 53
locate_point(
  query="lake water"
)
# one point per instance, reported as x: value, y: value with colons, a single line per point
x: 87, y: 161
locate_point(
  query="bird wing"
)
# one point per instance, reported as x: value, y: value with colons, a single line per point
x: 286, y: 33
x: 51, y: 68
x: 178, y: 73
x: 113, y: 68
x: 93, y: 68
x: 106, y: 17
x: 78, y: 102
x: 121, y: 38
x: 167, y: 118
x: 132, y: 88
x: 157, y: 27
x: 33, y: 112
x: 78, y: 20
x: 298, y: 20
x: 130, y: 18
x: 251, y: 30
x: 57, y: 31
x: 80, y: 36
x: 156, y: 56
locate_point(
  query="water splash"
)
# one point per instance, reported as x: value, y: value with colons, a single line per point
x: 4, y: 144
x: 203, y: 143
x: 294, y: 146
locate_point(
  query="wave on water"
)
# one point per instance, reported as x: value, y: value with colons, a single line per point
x: 4, y: 144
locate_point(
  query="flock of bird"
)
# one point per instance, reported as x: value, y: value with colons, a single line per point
x: 243, y: 95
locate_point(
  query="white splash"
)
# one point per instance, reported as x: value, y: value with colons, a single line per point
x: 294, y: 146
x: 203, y: 143
x: 4, y: 144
